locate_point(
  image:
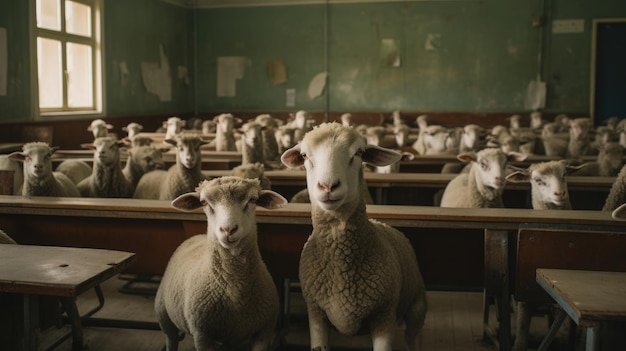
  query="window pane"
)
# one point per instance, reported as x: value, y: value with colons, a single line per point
x: 80, y: 75
x: 50, y: 73
x: 77, y: 18
x: 49, y: 14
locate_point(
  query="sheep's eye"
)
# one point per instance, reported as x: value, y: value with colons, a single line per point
x: 539, y: 181
x: 250, y: 202
x: 484, y: 165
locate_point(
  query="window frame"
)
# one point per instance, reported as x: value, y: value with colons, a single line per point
x: 96, y: 44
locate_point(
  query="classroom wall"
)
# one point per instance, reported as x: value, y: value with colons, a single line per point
x: 464, y: 55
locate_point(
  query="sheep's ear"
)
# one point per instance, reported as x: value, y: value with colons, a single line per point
x: 619, y: 213
x: 187, y: 202
x: 109, y: 126
x: 407, y: 156
x: 292, y: 157
x: 516, y: 156
x: 88, y: 146
x: 518, y: 176
x: 17, y: 156
x: 271, y: 200
x: 571, y: 168
x: 467, y: 157
x: 379, y: 156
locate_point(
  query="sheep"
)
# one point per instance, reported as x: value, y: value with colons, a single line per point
x: 251, y: 143
x: 483, y: 185
x: 132, y: 129
x: 268, y: 130
x: 617, y: 194
x: 216, y: 286
x: 470, y: 139
x: 300, y: 124
x: 39, y: 179
x: 401, y: 134
x: 608, y: 164
x: 181, y: 178
x: 554, y: 143
x: 106, y: 178
x: 173, y: 126
x: 434, y: 139
x: 579, y: 142
x: 9, y: 164
x: 76, y: 170
x: 536, y: 120
x: 285, y: 138
x: 515, y: 121
x: 209, y: 127
x: 99, y: 128
x: 355, y: 273
x: 141, y: 160
x: 253, y: 171
x: 422, y: 123
x: 224, y: 135
x: 347, y: 120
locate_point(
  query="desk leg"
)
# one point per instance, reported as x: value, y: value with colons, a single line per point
x: 592, y: 339
x: 497, y: 278
x: 69, y: 305
x: 554, y: 329
x: 31, y: 322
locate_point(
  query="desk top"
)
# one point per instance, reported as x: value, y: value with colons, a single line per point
x: 57, y: 271
x: 589, y: 296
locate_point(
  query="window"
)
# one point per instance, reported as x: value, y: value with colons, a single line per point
x: 68, y: 55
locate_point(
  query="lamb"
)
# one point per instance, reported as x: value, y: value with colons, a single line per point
x: 483, y: 185
x: 224, y: 135
x: 608, y: 164
x: 9, y: 164
x: 216, y: 286
x: 579, y: 142
x: 132, y: 129
x: 99, y: 128
x: 173, y: 126
x: 181, y: 178
x: 253, y: 171
x: 39, y: 179
x: 106, y: 179
x: 141, y: 160
x: 617, y: 194
x: 355, y: 273
x: 76, y: 170
x: 251, y: 143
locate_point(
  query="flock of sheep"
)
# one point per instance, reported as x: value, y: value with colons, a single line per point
x: 356, y: 274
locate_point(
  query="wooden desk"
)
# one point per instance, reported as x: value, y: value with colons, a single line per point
x: 63, y: 272
x: 587, y: 297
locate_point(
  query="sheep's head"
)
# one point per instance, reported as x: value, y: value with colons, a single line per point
x: 547, y: 180
x: 251, y: 132
x: 106, y: 150
x: 285, y: 136
x: 133, y: 129
x: 301, y: 119
x: 187, y: 149
x: 579, y: 128
x: 37, y: 159
x: 208, y: 127
x: 435, y: 138
x: 147, y: 157
x: 226, y: 122
x: 490, y: 165
x: 173, y: 125
x: 471, y: 136
x: 229, y: 203
x: 613, y: 154
x: 99, y: 128
x: 332, y: 155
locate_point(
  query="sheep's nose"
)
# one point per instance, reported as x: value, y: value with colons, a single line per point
x: 229, y: 231
x: 560, y: 193
x: 38, y: 166
x: 328, y: 187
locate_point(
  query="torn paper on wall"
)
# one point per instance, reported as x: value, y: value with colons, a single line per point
x: 3, y: 62
x: 389, y: 53
x: 277, y: 72
x: 317, y: 84
x: 157, y: 78
x: 229, y: 70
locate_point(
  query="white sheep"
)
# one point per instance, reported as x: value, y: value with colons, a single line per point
x: 224, y: 134
x: 471, y: 138
x: 9, y: 164
x: 608, y: 163
x: 132, y: 129
x: 173, y: 126
x: 39, y: 179
x: 285, y: 138
x: 434, y: 139
x: 617, y: 194
x: 141, y: 160
x: 180, y: 178
x: 209, y: 127
x: 300, y: 124
x: 99, y: 128
x: 216, y: 286
x: 554, y: 142
x: 251, y: 143
x: 356, y: 274
x: 75, y: 169
x: 106, y: 178
x: 483, y: 185
x: 579, y: 142
x: 253, y: 171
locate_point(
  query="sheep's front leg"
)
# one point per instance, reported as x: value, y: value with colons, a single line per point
x: 319, y: 330
x: 382, y: 336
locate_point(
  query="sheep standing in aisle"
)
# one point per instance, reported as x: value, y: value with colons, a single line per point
x: 268, y: 131
x: 132, y: 129
x: 483, y: 185
x: 141, y: 160
x: 9, y: 164
x: 181, y: 178
x: 251, y: 143
x: 39, y: 179
x: 356, y: 274
x: 253, y: 171
x: 617, y: 194
x: 608, y: 163
x: 76, y: 170
x: 579, y: 142
x: 224, y: 134
x: 216, y: 286
x: 173, y: 126
x: 99, y: 128
x: 106, y: 179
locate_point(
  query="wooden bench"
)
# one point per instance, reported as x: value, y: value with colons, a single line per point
x: 63, y: 272
x: 592, y: 299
